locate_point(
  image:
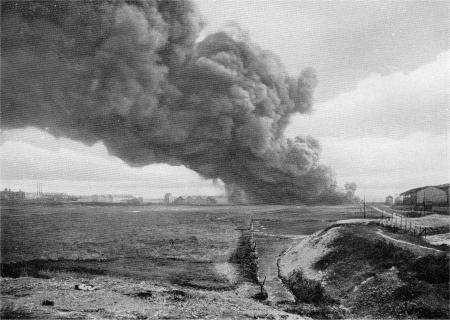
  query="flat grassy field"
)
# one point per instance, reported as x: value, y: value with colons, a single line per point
x: 176, y: 244
x: 173, y: 261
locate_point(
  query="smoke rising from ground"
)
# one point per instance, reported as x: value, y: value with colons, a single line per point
x: 131, y: 74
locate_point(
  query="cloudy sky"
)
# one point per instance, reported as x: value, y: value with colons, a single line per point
x: 382, y: 108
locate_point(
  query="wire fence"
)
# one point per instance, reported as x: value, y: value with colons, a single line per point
x: 396, y: 222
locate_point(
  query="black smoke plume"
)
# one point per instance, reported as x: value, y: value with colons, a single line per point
x: 131, y: 74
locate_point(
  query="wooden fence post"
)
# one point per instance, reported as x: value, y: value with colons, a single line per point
x: 364, y: 207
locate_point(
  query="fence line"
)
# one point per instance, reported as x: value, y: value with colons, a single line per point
x: 392, y: 220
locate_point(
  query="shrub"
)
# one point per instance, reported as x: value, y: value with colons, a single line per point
x: 48, y: 303
x: 431, y: 268
x: 305, y: 290
x: 246, y: 256
x: 379, y: 252
x: 10, y: 311
x: 424, y: 310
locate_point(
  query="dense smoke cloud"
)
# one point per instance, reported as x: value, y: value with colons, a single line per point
x: 130, y: 74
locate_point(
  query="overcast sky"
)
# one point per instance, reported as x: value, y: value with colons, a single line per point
x: 382, y: 109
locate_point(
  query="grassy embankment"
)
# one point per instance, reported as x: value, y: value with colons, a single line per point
x: 367, y: 276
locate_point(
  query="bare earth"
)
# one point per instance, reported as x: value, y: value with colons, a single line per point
x: 127, y: 299
x: 303, y: 255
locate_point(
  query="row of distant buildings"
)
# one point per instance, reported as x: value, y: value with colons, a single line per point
x: 7, y: 195
x: 12, y: 196
x: 189, y: 200
x: 423, y: 198
x: 112, y: 198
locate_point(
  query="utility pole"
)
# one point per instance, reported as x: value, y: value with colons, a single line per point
x: 364, y: 204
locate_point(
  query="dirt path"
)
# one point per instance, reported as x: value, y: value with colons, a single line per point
x: 416, y: 248
x: 428, y: 221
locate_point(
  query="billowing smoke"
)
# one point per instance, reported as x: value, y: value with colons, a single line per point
x: 131, y: 74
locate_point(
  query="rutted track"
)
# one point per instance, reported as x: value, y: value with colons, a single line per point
x: 409, y: 245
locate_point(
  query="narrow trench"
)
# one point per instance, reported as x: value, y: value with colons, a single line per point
x: 273, y: 288
x: 246, y: 256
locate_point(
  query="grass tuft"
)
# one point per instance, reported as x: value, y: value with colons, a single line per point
x: 10, y: 311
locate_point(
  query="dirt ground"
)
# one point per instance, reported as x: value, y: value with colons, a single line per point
x: 104, y: 297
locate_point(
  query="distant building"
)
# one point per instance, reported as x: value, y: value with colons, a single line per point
x: 437, y: 196
x: 446, y: 188
x: 168, y: 198
x: 122, y: 198
x: 179, y: 200
x: 134, y: 201
x: 103, y: 198
x: 112, y: 198
x: 49, y: 197
x: 86, y: 199
x: 398, y: 200
x: 428, y: 196
x: 211, y: 200
x: 12, y: 196
x: 410, y: 196
x: 221, y: 199
x: 389, y: 200
x: 195, y: 200
x: 55, y: 197
x: 31, y: 196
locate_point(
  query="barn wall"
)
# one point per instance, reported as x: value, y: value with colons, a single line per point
x: 437, y: 196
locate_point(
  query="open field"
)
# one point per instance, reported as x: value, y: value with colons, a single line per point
x: 186, y: 247
x: 146, y: 241
x: 200, y: 234
x: 164, y: 244
x: 163, y: 250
